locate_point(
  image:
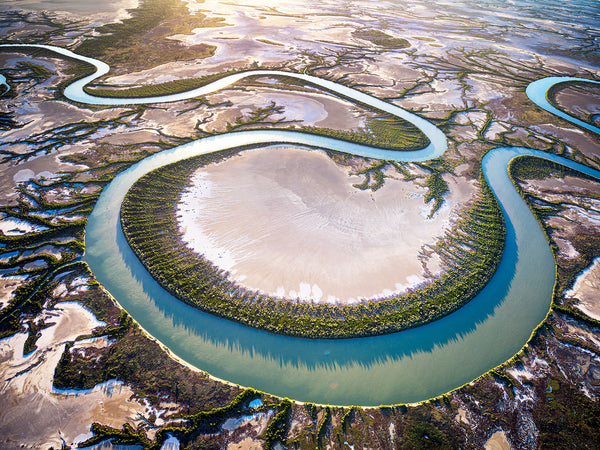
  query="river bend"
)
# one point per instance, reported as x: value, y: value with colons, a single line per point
x: 403, y: 367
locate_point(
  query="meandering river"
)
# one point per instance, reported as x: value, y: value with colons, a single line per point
x: 403, y: 367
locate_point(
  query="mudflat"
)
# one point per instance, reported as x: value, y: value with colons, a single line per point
x: 289, y: 223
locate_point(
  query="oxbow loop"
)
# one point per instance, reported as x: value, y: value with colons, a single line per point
x: 407, y: 366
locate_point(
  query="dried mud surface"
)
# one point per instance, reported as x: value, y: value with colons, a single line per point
x: 290, y: 223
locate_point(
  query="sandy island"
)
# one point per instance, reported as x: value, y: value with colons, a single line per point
x: 288, y: 222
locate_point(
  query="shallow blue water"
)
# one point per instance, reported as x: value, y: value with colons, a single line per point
x: 4, y: 87
x: 537, y: 93
x: 402, y: 367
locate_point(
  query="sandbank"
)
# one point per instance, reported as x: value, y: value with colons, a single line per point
x: 289, y: 222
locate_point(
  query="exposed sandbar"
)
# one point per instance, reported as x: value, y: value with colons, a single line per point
x: 288, y: 222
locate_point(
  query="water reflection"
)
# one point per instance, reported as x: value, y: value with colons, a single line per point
x: 229, y: 335
x: 401, y: 367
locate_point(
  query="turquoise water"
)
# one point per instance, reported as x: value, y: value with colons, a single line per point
x: 436, y: 148
x: 537, y: 93
x: 4, y: 87
x: 403, y: 367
